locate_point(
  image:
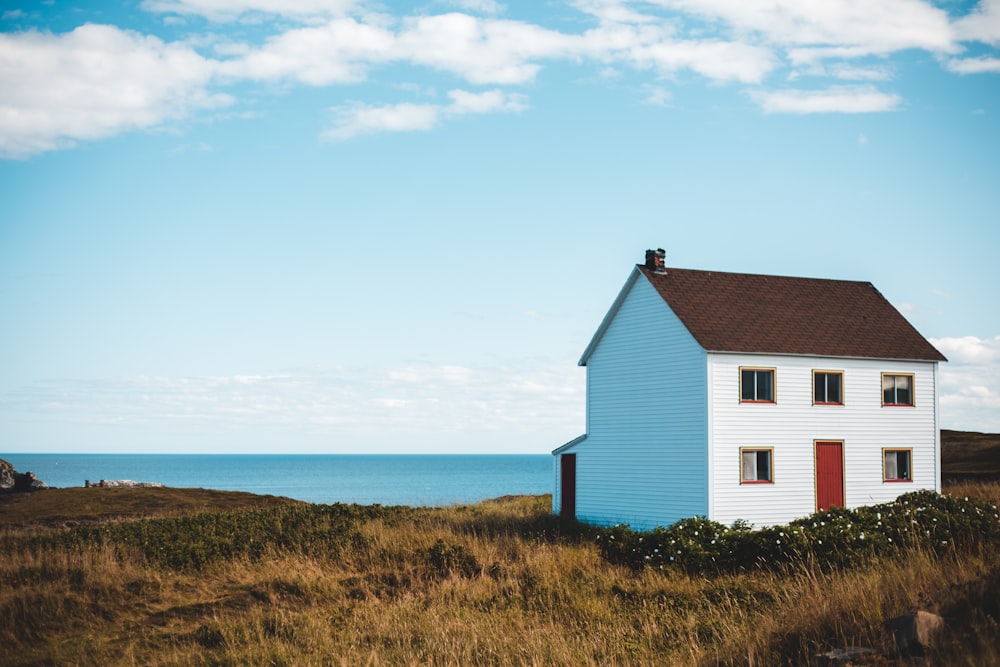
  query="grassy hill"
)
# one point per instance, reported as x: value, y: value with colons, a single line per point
x: 968, y: 454
x: 78, y: 505
x: 148, y: 576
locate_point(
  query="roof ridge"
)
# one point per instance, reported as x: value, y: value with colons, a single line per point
x: 668, y: 269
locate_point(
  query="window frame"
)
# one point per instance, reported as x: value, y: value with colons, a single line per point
x: 821, y: 371
x: 912, y: 402
x: 774, y: 384
x: 909, y: 464
x: 770, y: 458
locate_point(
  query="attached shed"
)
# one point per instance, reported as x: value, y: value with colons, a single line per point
x: 738, y: 396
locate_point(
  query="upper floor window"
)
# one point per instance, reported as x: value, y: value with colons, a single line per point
x: 757, y: 385
x: 828, y: 388
x: 896, y: 465
x: 755, y: 466
x: 897, y: 389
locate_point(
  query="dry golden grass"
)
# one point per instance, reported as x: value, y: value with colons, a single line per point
x: 499, y: 583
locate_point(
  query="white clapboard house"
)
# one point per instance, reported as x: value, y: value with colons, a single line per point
x: 736, y: 396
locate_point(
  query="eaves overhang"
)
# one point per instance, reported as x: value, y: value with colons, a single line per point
x: 569, y: 445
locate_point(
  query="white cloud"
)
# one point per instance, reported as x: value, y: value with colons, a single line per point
x: 463, y: 102
x: 357, y: 119
x: 717, y: 60
x: 657, y: 96
x: 852, y: 73
x: 970, y: 383
x: 483, y: 51
x: 982, y: 24
x: 339, y: 51
x: 543, y: 402
x: 612, y: 11
x: 837, y: 99
x: 866, y: 27
x: 93, y: 82
x: 981, y: 65
x: 969, y: 350
x: 98, y: 81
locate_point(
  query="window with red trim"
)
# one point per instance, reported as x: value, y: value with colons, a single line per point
x: 896, y: 465
x: 897, y: 389
x: 828, y: 388
x: 757, y: 385
x: 755, y: 466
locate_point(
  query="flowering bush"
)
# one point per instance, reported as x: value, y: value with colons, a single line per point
x: 836, y: 537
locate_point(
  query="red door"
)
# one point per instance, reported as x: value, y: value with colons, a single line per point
x: 829, y: 475
x: 567, y: 486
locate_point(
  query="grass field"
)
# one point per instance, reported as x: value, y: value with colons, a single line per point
x: 193, y: 577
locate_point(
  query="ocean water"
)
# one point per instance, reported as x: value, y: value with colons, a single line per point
x: 416, y: 480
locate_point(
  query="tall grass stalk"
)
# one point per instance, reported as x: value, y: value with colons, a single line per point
x: 499, y: 583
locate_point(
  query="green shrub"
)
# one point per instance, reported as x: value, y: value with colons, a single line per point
x: 834, y: 538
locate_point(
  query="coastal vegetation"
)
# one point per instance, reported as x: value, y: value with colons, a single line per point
x: 195, y: 577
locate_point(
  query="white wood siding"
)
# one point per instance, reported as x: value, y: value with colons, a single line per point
x: 645, y: 459
x: 792, y: 424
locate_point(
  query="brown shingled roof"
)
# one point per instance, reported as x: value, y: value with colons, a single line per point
x: 737, y: 312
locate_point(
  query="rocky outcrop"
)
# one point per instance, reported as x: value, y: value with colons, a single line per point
x: 125, y: 484
x: 6, y: 475
x: 11, y: 480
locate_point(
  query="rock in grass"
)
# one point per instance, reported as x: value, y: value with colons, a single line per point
x: 846, y: 657
x: 913, y: 633
x: 127, y: 484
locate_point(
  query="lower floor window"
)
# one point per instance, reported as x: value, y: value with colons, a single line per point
x: 896, y: 465
x: 756, y: 466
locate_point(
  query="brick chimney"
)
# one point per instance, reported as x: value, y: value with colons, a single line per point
x: 655, y: 259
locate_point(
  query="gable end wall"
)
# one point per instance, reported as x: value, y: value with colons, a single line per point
x: 645, y: 459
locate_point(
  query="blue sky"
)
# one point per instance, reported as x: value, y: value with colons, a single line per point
x: 342, y: 226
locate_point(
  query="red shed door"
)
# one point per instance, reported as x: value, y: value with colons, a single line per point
x: 567, y: 486
x: 829, y: 475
